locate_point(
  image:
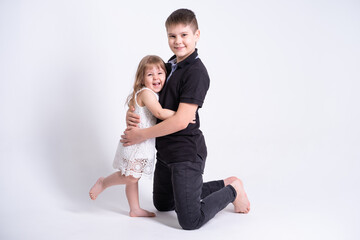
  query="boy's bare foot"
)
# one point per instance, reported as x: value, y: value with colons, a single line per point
x: 96, y: 189
x: 141, y: 213
x: 229, y: 180
x: 241, y: 203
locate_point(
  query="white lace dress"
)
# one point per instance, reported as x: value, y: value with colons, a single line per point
x: 138, y: 160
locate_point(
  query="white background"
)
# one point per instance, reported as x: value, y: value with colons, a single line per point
x: 282, y: 113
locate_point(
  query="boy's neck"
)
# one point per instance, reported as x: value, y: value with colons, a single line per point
x: 177, y: 59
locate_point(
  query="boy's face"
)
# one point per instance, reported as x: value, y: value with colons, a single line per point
x: 154, y: 78
x: 182, y: 40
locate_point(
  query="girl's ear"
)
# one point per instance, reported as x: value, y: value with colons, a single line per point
x: 141, y: 82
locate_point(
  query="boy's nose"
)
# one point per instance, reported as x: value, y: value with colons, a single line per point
x: 177, y: 40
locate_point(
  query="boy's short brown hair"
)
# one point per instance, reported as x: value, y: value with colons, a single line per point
x: 182, y: 16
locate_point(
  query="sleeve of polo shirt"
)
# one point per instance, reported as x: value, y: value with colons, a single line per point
x: 194, y: 87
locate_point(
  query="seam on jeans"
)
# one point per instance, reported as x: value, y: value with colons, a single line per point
x: 186, y: 192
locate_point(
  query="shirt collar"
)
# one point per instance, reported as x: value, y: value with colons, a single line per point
x: 186, y: 61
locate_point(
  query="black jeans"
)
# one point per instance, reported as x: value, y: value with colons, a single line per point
x: 180, y: 187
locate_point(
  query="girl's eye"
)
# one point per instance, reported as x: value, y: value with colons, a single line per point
x: 149, y: 75
x: 160, y: 73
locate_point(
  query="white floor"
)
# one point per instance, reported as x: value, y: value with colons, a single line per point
x: 281, y: 209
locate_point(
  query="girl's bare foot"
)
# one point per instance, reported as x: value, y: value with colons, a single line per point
x: 96, y: 189
x: 241, y: 203
x: 141, y: 213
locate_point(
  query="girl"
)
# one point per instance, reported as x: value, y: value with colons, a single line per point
x: 137, y: 160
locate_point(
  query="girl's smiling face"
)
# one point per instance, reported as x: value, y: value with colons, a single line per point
x: 154, y: 78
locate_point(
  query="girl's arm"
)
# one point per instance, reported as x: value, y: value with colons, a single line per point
x: 148, y: 98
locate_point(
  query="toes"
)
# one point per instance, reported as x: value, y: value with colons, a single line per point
x: 92, y: 197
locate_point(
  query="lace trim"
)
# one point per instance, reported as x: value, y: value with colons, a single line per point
x: 136, y: 167
x: 134, y: 174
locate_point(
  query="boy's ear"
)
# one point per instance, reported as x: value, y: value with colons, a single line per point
x: 197, y: 35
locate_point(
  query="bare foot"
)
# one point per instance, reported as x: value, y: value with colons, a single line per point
x: 141, y: 213
x: 241, y: 203
x: 96, y: 189
x: 229, y: 180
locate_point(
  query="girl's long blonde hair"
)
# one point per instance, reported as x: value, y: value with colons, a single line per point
x: 140, y: 74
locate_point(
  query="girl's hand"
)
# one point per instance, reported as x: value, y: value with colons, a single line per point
x: 132, y: 119
x: 132, y: 135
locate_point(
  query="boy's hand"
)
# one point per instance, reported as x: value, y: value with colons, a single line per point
x: 132, y: 135
x: 132, y: 119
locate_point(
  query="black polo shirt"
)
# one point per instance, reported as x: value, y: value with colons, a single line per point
x: 187, y: 84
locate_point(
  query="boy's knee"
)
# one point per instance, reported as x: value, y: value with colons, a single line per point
x: 163, y: 208
x: 187, y: 224
x: 163, y: 205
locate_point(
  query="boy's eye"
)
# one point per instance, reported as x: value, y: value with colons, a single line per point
x: 184, y: 34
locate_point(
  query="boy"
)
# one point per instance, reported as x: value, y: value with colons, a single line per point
x: 181, y: 149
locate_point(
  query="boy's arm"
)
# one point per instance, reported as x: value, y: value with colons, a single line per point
x: 179, y: 121
x: 132, y: 119
x: 149, y: 100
